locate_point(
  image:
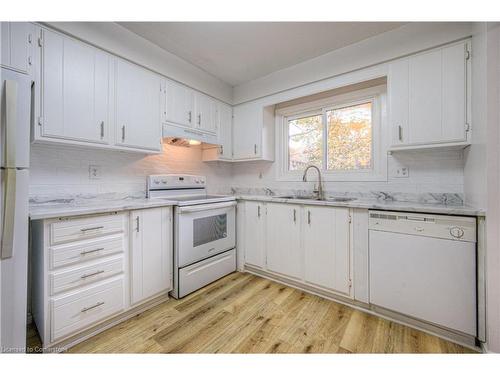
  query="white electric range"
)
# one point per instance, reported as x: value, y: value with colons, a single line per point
x: 204, y: 230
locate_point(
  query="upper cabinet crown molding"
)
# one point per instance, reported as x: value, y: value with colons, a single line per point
x: 429, y: 98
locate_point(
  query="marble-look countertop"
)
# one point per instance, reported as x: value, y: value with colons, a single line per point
x: 376, y: 204
x: 47, y: 208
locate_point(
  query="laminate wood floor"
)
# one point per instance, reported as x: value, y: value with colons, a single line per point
x: 243, y: 313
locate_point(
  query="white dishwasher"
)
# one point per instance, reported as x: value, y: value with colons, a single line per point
x: 424, y: 266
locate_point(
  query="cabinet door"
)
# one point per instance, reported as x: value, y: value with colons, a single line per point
x: 206, y: 113
x: 398, y: 101
x: 179, y: 104
x: 425, y: 97
x: 151, y: 252
x: 138, y: 107
x: 226, y: 131
x: 428, y: 97
x: 75, y: 89
x: 253, y: 239
x: 247, y: 131
x: 326, y: 248
x: 16, y: 45
x: 283, y: 240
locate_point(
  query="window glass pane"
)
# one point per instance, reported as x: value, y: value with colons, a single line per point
x: 305, y: 142
x: 350, y: 137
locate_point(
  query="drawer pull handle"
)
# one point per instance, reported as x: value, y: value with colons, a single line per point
x: 91, y: 274
x: 93, y: 228
x: 92, y: 307
x: 91, y: 251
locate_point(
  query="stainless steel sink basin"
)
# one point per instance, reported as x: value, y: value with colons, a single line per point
x: 340, y: 199
x: 312, y: 198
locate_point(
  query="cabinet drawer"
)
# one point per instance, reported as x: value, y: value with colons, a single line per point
x: 65, y: 255
x: 77, y: 277
x: 88, y: 227
x: 197, y: 275
x: 79, y: 310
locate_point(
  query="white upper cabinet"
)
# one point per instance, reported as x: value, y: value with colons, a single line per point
x: 223, y: 152
x: 326, y: 248
x: 16, y: 45
x: 253, y: 132
x: 74, y: 100
x: 89, y: 97
x: 429, y: 97
x: 207, y: 114
x: 138, y: 94
x: 179, y: 104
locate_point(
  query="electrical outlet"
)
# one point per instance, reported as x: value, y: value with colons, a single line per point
x: 94, y: 172
x: 401, y: 172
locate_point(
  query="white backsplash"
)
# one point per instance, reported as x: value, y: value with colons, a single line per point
x: 60, y: 171
x: 64, y: 171
x: 430, y: 172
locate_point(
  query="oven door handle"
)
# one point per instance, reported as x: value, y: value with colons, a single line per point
x: 205, y: 207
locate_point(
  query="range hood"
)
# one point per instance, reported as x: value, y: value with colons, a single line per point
x: 181, y: 136
x: 174, y: 141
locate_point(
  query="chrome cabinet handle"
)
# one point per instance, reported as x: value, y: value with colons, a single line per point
x: 93, y: 228
x: 123, y: 133
x: 91, y: 251
x: 102, y: 129
x: 294, y: 215
x: 137, y: 224
x: 92, y: 307
x: 255, y: 149
x: 400, y: 132
x: 258, y: 211
x: 92, y: 274
x: 221, y: 149
x: 189, y: 116
x: 308, y: 217
x: 199, y: 119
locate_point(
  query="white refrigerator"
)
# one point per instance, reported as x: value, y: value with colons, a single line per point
x: 15, y: 119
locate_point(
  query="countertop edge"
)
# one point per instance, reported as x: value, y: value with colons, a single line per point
x: 80, y: 211
x: 392, y: 206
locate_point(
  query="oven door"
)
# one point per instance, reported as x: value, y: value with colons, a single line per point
x: 205, y: 230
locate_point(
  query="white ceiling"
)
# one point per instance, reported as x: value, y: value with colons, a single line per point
x: 238, y: 52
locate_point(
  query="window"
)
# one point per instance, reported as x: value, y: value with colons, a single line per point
x: 349, y: 137
x: 340, y: 135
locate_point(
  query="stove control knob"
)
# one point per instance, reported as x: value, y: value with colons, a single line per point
x: 156, y: 182
x: 164, y: 181
x: 457, y: 232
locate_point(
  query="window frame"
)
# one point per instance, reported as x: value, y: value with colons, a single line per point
x: 375, y: 95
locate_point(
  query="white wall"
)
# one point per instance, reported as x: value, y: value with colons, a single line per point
x: 402, y: 41
x: 493, y: 192
x: 62, y: 171
x: 124, y: 43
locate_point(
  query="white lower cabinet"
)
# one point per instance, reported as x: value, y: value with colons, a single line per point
x: 87, y: 270
x: 326, y: 248
x: 150, y: 252
x: 253, y: 240
x: 283, y: 240
x: 310, y: 245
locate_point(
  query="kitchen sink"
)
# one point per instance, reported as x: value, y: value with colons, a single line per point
x: 312, y: 198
